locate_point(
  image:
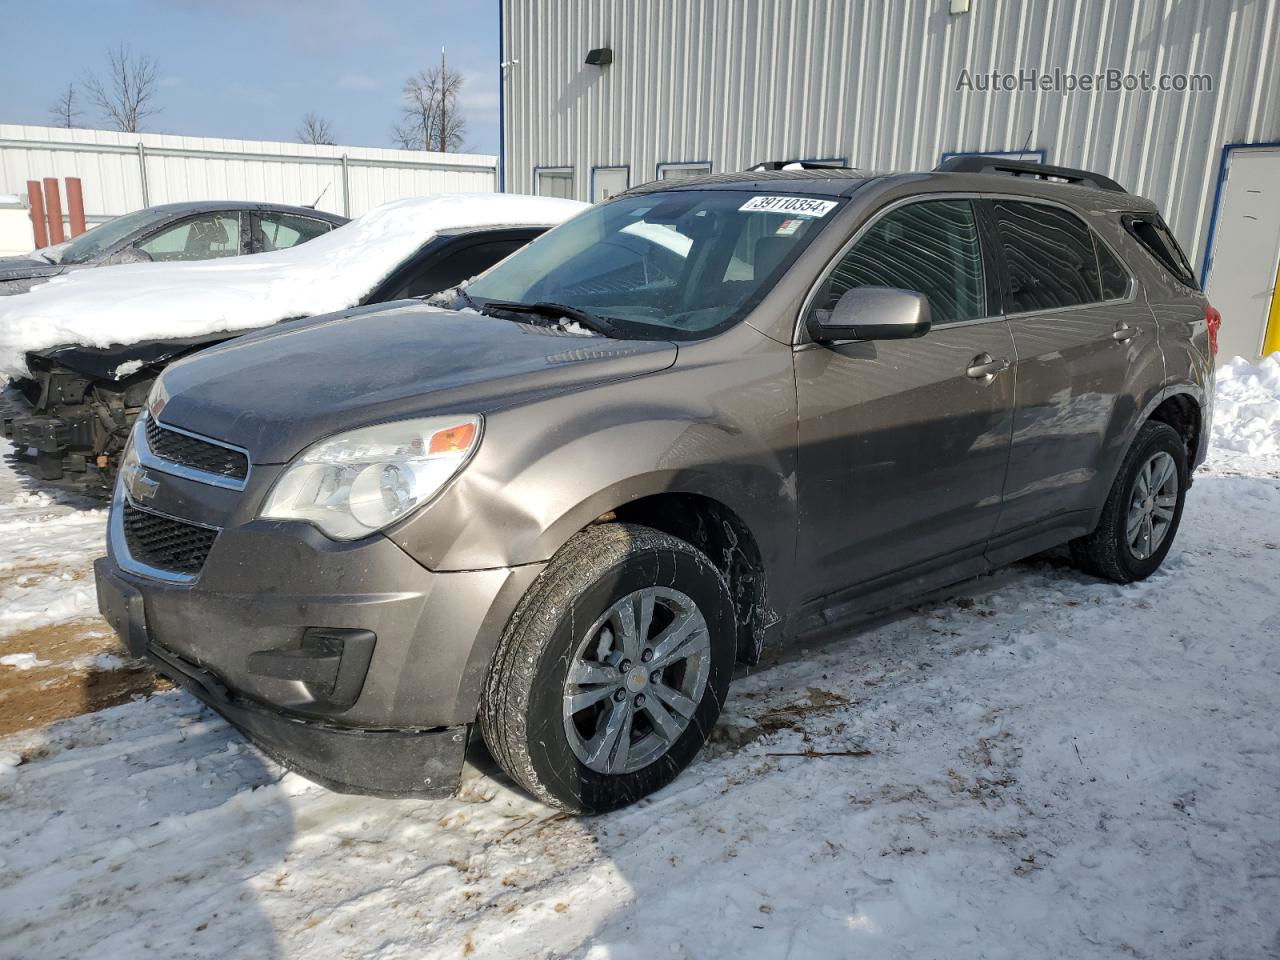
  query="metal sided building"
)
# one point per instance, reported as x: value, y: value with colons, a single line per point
x: 599, y: 95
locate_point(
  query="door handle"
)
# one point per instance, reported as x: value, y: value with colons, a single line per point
x: 1124, y: 334
x: 985, y: 369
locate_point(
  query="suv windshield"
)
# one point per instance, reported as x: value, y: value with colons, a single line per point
x: 93, y: 243
x: 681, y: 264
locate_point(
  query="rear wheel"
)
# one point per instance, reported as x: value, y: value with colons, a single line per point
x: 1143, y: 510
x: 613, y: 669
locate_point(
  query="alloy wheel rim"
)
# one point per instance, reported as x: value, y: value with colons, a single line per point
x: 636, y: 679
x: 1151, y: 510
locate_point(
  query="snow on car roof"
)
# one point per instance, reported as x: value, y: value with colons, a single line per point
x: 152, y: 301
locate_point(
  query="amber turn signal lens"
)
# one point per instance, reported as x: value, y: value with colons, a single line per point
x: 453, y: 440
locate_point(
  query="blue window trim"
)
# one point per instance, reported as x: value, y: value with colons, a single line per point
x: 657, y: 171
x: 1036, y: 153
x: 561, y: 167
x: 591, y: 191
x: 1223, y: 165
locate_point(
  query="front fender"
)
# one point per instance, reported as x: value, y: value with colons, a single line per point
x: 718, y: 429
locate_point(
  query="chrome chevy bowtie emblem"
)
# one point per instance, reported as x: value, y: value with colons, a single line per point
x: 140, y: 484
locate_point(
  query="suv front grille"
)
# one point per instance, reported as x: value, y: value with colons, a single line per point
x: 196, y: 453
x: 165, y: 543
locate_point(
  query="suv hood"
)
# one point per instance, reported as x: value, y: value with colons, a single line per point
x: 280, y: 390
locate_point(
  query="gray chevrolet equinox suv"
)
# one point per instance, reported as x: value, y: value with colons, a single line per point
x: 701, y: 418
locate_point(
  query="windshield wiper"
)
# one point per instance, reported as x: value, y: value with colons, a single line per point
x: 543, y: 308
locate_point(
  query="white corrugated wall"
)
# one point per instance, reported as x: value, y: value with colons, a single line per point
x: 205, y: 168
x: 738, y: 81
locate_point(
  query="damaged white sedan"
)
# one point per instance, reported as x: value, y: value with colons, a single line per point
x: 82, y: 351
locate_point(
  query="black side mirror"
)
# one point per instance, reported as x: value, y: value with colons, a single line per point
x: 872, y: 313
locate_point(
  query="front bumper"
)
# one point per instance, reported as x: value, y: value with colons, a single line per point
x: 380, y: 703
x: 383, y: 763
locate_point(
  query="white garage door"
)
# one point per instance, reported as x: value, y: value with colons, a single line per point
x: 1246, y: 250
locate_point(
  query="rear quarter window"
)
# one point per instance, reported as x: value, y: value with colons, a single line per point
x: 1157, y: 239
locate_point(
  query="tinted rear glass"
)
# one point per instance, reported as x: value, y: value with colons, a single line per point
x: 1049, y: 257
x: 1157, y: 238
x: 1115, y: 278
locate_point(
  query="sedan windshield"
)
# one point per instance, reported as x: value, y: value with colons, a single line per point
x: 94, y: 243
x: 680, y: 264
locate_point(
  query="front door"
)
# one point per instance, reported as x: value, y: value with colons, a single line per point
x: 903, y: 444
x: 1243, y: 273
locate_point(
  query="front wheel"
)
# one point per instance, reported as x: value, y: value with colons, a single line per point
x: 612, y: 670
x: 1143, y: 509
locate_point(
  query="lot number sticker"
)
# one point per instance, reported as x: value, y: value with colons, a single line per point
x: 792, y: 206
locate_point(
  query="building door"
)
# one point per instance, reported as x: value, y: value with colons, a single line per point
x: 1246, y: 251
x: 608, y: 182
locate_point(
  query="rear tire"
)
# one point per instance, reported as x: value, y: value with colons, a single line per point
x: 1142, y: 512
x: 612, y: 671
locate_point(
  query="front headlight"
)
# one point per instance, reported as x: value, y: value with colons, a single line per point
x: 359, y: 482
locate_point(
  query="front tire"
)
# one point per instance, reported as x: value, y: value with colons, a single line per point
x: 612, y: 671
x: 1143, y: 510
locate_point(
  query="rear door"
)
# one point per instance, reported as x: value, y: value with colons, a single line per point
x: 1078, y: 330
x: 903, y: 444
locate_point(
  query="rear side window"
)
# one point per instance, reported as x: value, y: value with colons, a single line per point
x: 1115, y: 278
x: 1158, y: 239
x: 279, y: 231
x: 454, y: 267
x: 931, y: 247
x: 1049, y: 257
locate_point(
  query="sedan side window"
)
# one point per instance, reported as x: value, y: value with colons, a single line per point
x: 205, y: 237
x: 451, y: 269
x: 931, y: 247
x: 1049, y: 256
x: 279, y: 231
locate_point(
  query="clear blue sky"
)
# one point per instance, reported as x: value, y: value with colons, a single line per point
x: 240, y: 68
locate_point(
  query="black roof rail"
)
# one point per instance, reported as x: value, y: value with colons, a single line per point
x: 802, y: 164
x: 1027, y: 168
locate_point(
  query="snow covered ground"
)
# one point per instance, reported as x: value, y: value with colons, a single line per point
x: 1034, y: 765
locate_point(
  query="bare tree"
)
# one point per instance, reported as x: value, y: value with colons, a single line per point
x: 430, y: 118
x: 316, y: 129
x: 127, y: 96
x: 66, y: 110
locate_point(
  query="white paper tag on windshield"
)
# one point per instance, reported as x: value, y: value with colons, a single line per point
x: 792, y: 206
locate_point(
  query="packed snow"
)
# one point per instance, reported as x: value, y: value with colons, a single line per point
x: 135, y: 302
x: 1034, y: 764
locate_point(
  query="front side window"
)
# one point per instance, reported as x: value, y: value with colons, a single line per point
x: 1049, y: 257
x: 279, y: 231
x: 205, y: 237
x: 99, y: 241
x: 929, y: 246
x: 680, y: 264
